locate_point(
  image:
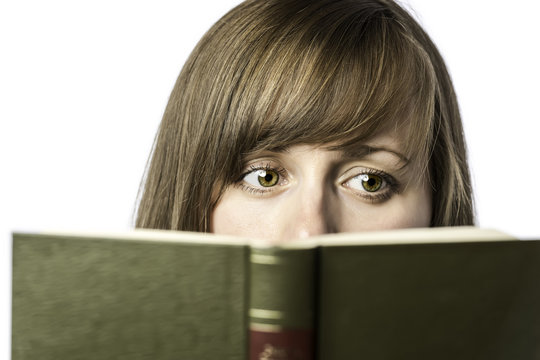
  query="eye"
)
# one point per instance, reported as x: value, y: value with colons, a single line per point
x: 373, y: 185
x: 370, y: 182
x: 262, y: 177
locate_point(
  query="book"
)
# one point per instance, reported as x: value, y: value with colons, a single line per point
x: 443, y: 293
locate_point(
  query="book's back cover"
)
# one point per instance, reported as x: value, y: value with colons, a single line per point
x: 430, y: 301
x: 117, y: 299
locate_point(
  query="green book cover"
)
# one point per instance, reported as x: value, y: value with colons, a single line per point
x: 430, y: 301
x: 408, y: 294
x: 149, y: 296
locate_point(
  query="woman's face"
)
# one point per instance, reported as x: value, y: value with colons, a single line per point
x: 308, y: 190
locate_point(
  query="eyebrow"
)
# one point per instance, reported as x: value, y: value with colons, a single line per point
x: 356, y: 152
x: 366, y: 150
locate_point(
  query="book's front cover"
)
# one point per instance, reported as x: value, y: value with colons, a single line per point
x: 430, y: 301
x: 117, y: 299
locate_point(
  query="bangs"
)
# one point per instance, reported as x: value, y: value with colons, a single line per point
x: 331, y: 73
x: 337, y: 78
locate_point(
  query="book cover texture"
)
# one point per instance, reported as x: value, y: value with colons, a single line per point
x: 108, y: 299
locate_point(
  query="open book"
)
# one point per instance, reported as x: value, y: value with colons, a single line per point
x: 444, y: 293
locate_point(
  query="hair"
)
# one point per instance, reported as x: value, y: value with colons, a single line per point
x: 274, y: 73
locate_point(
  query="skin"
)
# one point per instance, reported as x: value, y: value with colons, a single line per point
x: 322, y: 191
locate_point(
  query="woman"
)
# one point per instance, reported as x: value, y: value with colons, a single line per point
x: 296, y: 118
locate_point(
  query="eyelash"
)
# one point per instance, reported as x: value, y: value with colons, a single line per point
x: 391, y: 186
x: 252, y: 168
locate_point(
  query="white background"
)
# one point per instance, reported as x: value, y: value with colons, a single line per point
x: 83, y: 85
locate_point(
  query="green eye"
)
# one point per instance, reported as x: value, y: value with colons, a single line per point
x: 371, y: 182
x: 372, y: 185
x: 263, y: 179
x: 267, y: 178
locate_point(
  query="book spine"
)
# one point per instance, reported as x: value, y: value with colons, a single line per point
x: 282, y: 304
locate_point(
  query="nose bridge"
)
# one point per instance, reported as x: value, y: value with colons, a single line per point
x: 311, y: 210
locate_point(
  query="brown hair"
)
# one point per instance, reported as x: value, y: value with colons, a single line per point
x: 273, y: 73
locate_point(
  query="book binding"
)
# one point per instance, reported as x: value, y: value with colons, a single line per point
x: 282, y: 304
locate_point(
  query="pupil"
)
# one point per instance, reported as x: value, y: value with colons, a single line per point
x: 268, y: 177
x: 371, y: 182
